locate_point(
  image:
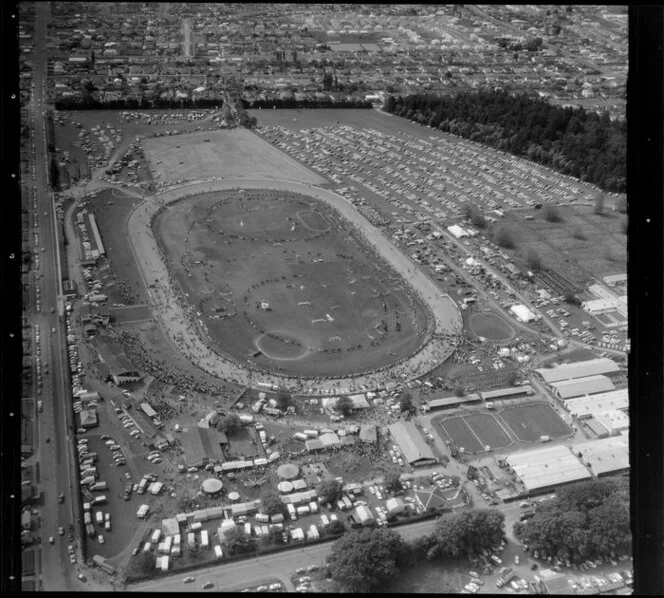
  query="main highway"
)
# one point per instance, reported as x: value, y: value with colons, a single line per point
x: 54, y: 433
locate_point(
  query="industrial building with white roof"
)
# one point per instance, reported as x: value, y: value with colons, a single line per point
x: 604, y: 456
x: 579, y: 369
x: 547, y: 467
x: 568, y: 389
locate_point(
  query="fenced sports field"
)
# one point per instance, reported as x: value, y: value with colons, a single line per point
x: 281, y: 282
x: 474, y: 432
x: 530, y: 422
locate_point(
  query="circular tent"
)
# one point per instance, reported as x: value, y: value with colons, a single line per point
x: 233, y: 496
x: 288, y: 471
x: 212, y: 486
x: 285, y: 487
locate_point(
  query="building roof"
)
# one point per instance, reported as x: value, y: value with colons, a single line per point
x: 368, y: 433
x: 598, y: 403
x: 313, y: 445
x: 112, y: 354
x: 409, y: 439
x: 364, y: 513
x: 546, y: 467
x: 506, y: 392
x: 596, y: 428
x: 457, y: 231
x: 605, y: 455
x: 88, y: 418
x: 299, y: 497
x: 557, y: 584
x: 613, y: 420
x: 522, y: 312
x: 579, y: 369
x: 170, y: 526
x: 567, y: 389
x: 452, y: 401
x: 200, y: 444
x: 395, y: 504
x: 329, y: 439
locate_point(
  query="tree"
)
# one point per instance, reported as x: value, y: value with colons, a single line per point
x: 239, y: 542
x: 345, y: 406
x: 143, y: 563
x: 473, y: 213
x: 330, y: 491
x: 459, y: 391
x: 504, y: 237
x: 390, y: 104
x: 361, y: 561
x: 571, y: 298
x: 336, y: 527
x: 599, y: 204
x: 551, y: 214
x: 406, y: 403
x: 271, y: 503
x: 468, y: 532
x: 229, y: 424
x: 283, y: 399
x: 534, y: 259
x: 584, y: 519
x: 392, y: 481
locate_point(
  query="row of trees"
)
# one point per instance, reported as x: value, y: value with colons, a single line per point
x: 291, y: 103
x: 88, y: 102
x: 573, y: 141
x: 584, y: 520
x: 368, y: 559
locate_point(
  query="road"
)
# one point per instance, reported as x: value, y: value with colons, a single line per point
x: 252, y: 572
x: 53, y: 438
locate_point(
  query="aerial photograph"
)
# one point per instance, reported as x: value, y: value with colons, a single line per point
x: 324, y: 298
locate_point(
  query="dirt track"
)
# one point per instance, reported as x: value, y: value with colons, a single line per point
x: 184, y: 328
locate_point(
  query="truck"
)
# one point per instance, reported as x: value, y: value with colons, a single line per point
x: 99, y: 486
x: 87, y: 518
x: 142, y: 485
x: 99, y: 516
x: 99, y: 500
x: 205, y: 541
x: 291, y: 511
x: 90, y: 530
x: 156, y: 535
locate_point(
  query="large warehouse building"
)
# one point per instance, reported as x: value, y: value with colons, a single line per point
x: 543, y: 469
x: 605, y: 456
x: 411, y: 443
x: 580, y: 369
x: 568, y: 389
x: 588, y: 406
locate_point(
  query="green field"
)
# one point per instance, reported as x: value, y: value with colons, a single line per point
x: 490, y: 326
x: 475, y: 432
x: 280, y: 281
x: 530, y: 422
